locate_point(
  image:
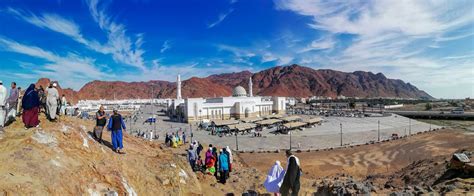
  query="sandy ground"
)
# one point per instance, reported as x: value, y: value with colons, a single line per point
x: 381, y: 158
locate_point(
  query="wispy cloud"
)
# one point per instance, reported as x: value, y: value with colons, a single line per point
x: 390, y: 36
x: 70, y: 69
x: 123, y: 48
x: 166, y: 45
x: 220, y: 19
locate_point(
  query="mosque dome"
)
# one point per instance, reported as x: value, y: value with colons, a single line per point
x: 239, y: 91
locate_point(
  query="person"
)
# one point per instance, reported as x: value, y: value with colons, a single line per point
x: 274, y: 178
x: 52, y: 101
x: 116, y: 125
x: 199, y: 149
x: 229, y: 153
x: 42, y: 95
x: 184, y: 137
x: 291, y: 181
x: 192, y: 157
x: 63, y: 105
x: 31, y: 107
x: 3, y: 104
x: 210, y: 161
x: 18, y: 106
x: 101, y: 120
x: 216, y: 158
x: 12, y: 103
x: 223, y: 165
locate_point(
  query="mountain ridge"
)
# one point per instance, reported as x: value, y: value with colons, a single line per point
x: 289, y: 81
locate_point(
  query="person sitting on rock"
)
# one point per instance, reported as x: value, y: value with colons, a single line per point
x: 115, y: 126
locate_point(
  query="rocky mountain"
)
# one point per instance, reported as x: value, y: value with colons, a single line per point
x: 292, y: 81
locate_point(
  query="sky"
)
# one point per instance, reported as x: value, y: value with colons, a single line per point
x: 429, y: 43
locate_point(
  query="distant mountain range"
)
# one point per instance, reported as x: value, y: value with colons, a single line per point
x: 289, y: 81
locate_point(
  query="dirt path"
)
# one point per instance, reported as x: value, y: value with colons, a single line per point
x: 382, y: 158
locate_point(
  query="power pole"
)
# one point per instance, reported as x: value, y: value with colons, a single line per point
x: 153, y: 108
x: 290, y: 138
x: 236, y: 141
x: 378, y: 130
x: 341, y: 133
x: 409, y: 126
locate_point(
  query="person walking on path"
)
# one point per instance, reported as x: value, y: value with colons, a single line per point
x: 101, y: 120
x: 52, y: 101
x: 30, y: 104
x: 223, y: 166
x: 291, y: 181
x: 116, y: 125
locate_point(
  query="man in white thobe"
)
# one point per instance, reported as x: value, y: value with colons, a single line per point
x: 63, y: 105
x: 52, y: 101
x: 3, y: 104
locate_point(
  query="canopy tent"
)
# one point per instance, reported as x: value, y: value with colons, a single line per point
x: 251, y: 119
x: 219, y: 123
x: 290, y: 118
x: 242, y: 126
x: 312, y: 120
x: 294, y: 124
x: 275, y: 116
x: 268, y: 122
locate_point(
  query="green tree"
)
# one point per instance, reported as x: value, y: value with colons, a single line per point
x: 428, y: 106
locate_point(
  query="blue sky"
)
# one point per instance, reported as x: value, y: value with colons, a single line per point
x: 427, y: 43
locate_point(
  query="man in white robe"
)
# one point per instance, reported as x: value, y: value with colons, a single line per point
x: 52, y: 101
x: 63, y: 105
x: 274, y: 178
x: 3, y: 104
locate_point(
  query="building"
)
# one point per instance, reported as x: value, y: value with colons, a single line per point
x: 240, y: 105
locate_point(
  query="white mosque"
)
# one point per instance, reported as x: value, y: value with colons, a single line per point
x: 240, y: 105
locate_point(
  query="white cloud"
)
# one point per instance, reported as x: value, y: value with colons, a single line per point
x: 220, y: 19
x: 166, y: 45
x: 391, y: 36
x: 320, y: 44
x: 123, y: 48
x: 71, y: 70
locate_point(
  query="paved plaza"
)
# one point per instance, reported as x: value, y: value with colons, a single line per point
x: 355, y: 131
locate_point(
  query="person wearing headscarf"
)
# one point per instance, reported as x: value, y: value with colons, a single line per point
x: 116, y: 125
x: 216, y: 158
x: 31, y: 107
x: 274, y: 178
x: 3, y: 104
x: 210, y: 161
x: 223, y: 166
x: 229, y: 153
x: 52, y: 101
x: 291, y: 181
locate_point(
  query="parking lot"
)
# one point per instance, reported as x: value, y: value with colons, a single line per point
x: 356, y: 130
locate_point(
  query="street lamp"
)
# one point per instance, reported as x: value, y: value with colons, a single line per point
x: 236, y: 141
x: 341, y: 133
x: 378, y: 130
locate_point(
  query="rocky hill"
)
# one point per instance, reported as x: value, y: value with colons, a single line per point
x: 62, y: 159
x: 294, y: 81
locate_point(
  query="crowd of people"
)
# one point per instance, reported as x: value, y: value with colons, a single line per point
x: 30, y: 103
